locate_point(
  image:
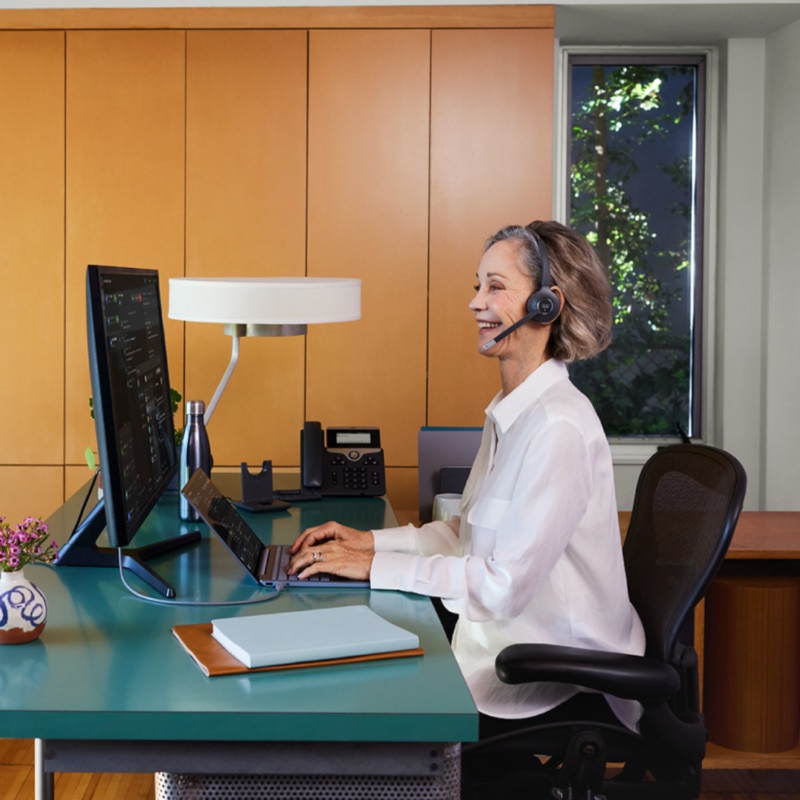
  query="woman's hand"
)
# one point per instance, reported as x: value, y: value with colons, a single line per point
x: 335, y: 549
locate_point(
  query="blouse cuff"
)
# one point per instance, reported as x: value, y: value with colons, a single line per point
x: 401, y: 540
x: 392, y: 570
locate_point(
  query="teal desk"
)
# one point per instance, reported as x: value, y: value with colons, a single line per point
x: 107, y: 687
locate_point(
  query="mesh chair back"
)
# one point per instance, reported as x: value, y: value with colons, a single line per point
x: 686, y: 506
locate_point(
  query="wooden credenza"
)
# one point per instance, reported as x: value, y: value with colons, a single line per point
x: 751, y: 645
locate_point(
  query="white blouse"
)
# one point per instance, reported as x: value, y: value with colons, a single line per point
x: 535, y: 555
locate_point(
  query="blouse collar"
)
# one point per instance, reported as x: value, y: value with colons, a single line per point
x: 504, y: 410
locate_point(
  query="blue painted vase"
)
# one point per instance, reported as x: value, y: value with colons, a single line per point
x: 23, y: 609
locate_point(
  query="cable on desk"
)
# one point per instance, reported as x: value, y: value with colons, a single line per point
x: 164, y: 601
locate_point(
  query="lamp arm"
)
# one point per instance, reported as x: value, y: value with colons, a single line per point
x: 226, y: 376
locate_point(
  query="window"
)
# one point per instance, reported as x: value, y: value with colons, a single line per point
x: 636, y: 162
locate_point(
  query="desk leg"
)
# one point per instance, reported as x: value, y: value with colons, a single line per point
x: 43, y: 781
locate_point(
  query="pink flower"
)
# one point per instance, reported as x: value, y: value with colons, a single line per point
x: 25, y: 544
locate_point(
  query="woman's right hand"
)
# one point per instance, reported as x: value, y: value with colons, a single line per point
x: 334, y: 549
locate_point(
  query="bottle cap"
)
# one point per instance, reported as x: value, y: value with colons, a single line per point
x: 195, y: 407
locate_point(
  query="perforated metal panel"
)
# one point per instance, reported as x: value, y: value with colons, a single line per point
x: 444, y: 785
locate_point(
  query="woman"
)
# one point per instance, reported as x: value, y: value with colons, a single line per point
x: 535, y: 555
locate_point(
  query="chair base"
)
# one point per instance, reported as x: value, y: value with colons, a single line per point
x: 585, y: 769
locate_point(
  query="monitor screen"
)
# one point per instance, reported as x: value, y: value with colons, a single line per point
x: 130, y: 389
x: 133, y: 418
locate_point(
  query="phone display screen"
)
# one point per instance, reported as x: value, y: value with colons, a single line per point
x: 354, y: 437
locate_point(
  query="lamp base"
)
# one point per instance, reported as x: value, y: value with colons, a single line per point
x: 236, y: 329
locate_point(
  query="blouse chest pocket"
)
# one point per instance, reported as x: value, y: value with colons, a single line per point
x: 485, y: 518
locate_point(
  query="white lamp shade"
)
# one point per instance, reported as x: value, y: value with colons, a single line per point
x: 265, y: 301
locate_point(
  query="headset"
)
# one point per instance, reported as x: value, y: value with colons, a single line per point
x: 544, y: 304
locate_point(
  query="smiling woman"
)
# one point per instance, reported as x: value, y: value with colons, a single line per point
x: 582, y: 326
x: 508, y: 331
x: 535, y: 553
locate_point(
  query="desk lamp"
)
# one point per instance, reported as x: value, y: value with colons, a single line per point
x: 262, y: 307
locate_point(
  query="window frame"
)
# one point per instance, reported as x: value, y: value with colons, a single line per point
x: 632, y: 450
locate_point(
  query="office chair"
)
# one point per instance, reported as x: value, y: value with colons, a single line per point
x: 686, y: 506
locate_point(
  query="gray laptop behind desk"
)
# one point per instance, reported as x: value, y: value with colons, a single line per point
x: 264, y: 563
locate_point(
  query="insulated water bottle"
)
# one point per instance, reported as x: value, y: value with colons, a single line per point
x: 195, y: 453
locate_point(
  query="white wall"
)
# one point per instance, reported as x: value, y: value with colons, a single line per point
x: 781, y: 405
x: 739, y: 358
x: 757, y: 376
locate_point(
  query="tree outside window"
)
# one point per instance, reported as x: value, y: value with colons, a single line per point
x: 636, y: 192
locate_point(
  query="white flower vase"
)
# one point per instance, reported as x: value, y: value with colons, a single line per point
x: 23, y: 609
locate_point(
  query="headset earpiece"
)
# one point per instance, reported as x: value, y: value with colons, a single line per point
x: 544, y: 305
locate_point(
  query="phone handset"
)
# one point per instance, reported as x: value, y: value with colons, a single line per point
x: 311, y: 465
x: 311, y: 455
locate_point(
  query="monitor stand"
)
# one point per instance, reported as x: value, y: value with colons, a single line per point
x: 82, y: 551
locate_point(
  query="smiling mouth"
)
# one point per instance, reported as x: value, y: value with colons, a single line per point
x: 483, y: 327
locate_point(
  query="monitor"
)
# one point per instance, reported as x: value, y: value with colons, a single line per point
x: 133, y: 420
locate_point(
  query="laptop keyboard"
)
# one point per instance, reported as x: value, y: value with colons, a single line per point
x: 281, y: 556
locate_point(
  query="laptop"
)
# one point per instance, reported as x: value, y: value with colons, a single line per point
x: 264, y: 563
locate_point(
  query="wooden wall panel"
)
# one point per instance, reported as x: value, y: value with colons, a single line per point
x: 246, y: 216
x: 32, y: 247
x: 491, y: 145
x: 35, y: 491
x: 224, y: 16
x: 368, y: 219
x: 382, y: 144
x: 125, y: 187
x: 31, y: 269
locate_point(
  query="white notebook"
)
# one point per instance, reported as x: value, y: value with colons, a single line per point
x: 319, y: 634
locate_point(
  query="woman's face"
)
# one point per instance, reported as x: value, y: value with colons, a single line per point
x: 504, y: 286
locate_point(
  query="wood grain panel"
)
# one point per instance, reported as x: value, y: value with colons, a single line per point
x: 752, y: 656
x: 491, y: 162
x: 125, y: 183
x: 275, y: 17
x: 368, y: 218
x: 30, y: 491
x: 245, y: 216
x: 32, y: 247
x: 402, y: 489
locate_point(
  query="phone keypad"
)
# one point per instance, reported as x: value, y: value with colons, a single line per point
x: 364, y: 476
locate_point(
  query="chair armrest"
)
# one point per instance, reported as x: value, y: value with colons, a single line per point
x: 639, y: 678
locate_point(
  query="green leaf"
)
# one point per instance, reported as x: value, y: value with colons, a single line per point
x: 91, y: 461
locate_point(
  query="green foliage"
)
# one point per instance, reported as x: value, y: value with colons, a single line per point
x: 641, y: 385
x: 175, y: 398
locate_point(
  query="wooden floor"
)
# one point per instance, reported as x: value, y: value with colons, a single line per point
x: 17, y: 781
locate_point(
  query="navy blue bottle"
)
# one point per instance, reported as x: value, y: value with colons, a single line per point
x: 195, y: 453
